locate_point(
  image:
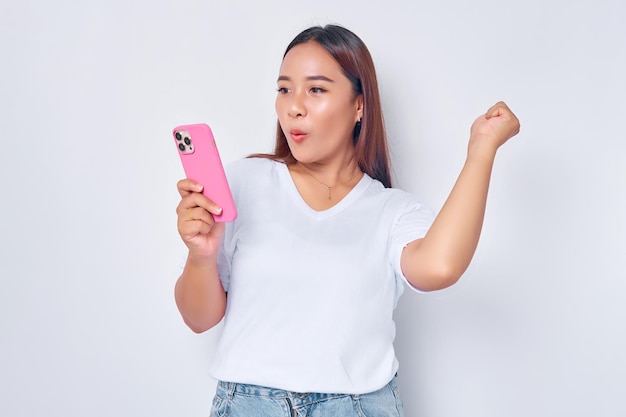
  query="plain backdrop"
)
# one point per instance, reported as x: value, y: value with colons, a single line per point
x: 90, y: 91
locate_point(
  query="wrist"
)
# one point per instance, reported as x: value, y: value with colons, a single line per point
x: 480, y: 148
x: 201, y: 261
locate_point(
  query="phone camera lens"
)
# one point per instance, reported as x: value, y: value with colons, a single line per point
x: 178, y: 136
x: 181, y: 146
x: 187, y: 141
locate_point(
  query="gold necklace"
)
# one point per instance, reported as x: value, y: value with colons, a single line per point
x: 329, y: 188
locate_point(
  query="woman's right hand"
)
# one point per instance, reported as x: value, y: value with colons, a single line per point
x: 196, y: 225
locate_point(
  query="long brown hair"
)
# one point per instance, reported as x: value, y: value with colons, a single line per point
x: 370, y: 138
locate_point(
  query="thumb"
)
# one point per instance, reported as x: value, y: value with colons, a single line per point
x: 496, y: 110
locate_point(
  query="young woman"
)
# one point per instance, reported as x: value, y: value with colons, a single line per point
x: 307, y: 277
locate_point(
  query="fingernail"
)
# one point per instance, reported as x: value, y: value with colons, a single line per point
x: 219, y: 210
x: 199, y: 187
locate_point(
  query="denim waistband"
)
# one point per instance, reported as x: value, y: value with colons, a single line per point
x: 296, y: 398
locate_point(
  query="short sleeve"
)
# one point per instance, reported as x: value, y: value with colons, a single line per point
x: 413, y: 222
x: 225, y: 254
x: 235, y: 171
x: 223, y: 268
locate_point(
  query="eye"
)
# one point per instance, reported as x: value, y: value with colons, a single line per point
x: 317, y: 90
x: 282, y: 90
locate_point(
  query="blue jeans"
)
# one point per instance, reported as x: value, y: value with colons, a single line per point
x: 243, y: 400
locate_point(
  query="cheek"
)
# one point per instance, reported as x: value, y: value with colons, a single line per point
x: 280, y: 110
x: 321, y: 109
x: 335, y: 114
x: 277, y: 106
x: 339, y: 107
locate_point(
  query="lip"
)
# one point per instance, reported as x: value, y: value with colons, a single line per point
x: 298, y: 135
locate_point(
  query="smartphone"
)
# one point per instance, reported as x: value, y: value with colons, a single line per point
x: 201, y: 162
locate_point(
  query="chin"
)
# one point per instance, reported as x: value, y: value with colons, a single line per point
x: 302, y: 157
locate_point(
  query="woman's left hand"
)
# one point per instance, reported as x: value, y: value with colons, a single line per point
x: 494, y: 128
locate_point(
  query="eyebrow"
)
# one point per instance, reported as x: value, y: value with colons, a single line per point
x: 309, y: 78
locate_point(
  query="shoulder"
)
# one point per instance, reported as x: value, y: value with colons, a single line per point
x: 251, y: 173
x: 394, y: 198
x: 409, y: 217
x: 249, y: 164
x: 247, y: 167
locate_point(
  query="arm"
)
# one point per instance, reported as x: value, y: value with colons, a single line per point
x: 442, y: 256
x: 200, y: 297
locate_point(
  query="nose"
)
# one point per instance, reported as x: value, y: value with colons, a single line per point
x: 297, y: 107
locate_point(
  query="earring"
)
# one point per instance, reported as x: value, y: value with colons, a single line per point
x: 357, y: 131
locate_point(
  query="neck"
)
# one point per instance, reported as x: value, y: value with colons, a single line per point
x: 334, y: 172
x: 337, y: 181
x: 331, y: 175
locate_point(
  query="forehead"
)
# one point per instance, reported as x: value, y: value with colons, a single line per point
x: 308, y: 59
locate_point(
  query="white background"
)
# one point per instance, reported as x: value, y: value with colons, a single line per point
x: 91, y: 89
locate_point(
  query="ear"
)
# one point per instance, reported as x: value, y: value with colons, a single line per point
x: 359, y: 107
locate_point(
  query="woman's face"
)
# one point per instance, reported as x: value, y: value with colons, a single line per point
x: 316, y: 106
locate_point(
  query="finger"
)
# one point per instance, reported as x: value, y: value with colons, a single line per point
x: 198, y: 214
x: 497, y: 109
x: 200, y: 228
x: 194, y: 221
x: 195, y: 199
x: 187, y: 186
x: 191, y: 229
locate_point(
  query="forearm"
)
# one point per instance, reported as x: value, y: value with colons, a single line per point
x: 200, y: 297
x: 443, y: 255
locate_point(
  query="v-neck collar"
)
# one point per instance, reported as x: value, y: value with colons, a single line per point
x: 344, y: 203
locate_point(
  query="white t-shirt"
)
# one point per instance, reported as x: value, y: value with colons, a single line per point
x: 311, y: 293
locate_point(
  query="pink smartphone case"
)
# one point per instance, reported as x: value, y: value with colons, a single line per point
x: 204, y: 165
